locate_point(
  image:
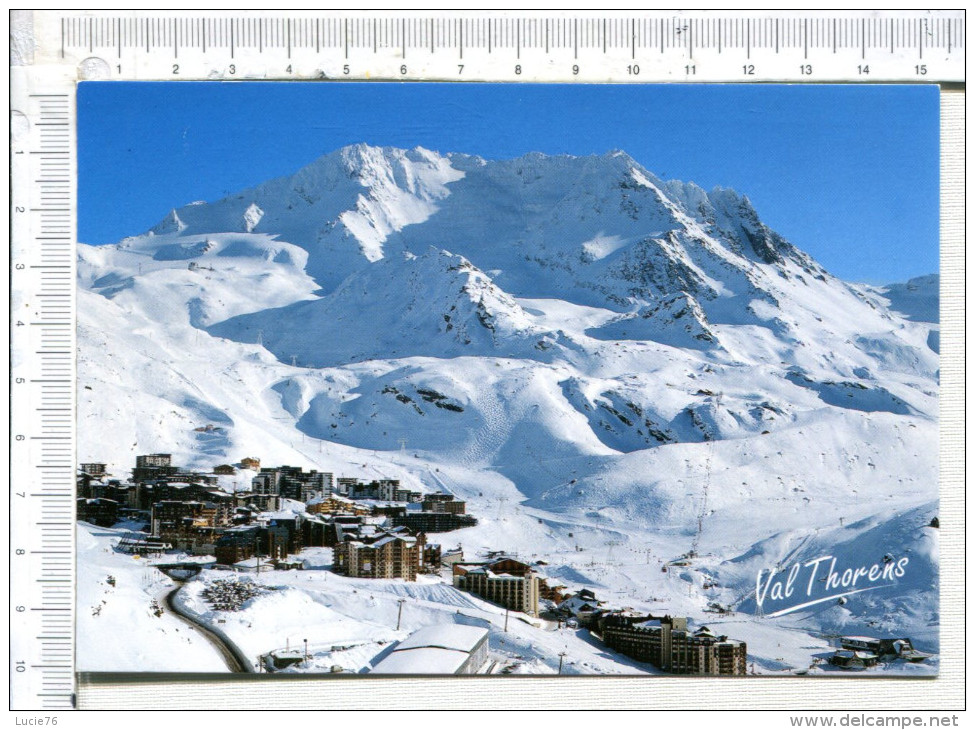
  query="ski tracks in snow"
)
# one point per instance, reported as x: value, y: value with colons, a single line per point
x: 490, y: 437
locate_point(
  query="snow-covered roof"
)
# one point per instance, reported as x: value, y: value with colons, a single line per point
x: 281, y: 514
x: 237, y: 529
x: 421, y: 661
x: 495, y: 576
x: 579, y: 603
x: 651, y: 623
x: 439, y: 649
x: 253, y: 562
x: 331, y: 498
x: 390, y: 538
x: 444, y: 636
x: 850, y: 654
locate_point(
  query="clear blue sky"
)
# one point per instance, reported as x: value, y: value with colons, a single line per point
x: 847, y: 173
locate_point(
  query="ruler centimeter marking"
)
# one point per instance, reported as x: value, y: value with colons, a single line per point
x: 437, y: 33
x: 707, y: 46
x: 42, y: 469
x: 874, y: 46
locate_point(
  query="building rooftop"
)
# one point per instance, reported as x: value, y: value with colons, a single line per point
x: 421, y: 661
x: 495, y: 576
x: 444, y: 636
x: 389, y: 538
x: 439, y: 649
x: 853, y: 654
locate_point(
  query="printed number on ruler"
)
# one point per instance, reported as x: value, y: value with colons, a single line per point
x: 705, y: 47
x: 42, y: 396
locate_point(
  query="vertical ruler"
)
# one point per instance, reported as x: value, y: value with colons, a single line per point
x: 42, y: 272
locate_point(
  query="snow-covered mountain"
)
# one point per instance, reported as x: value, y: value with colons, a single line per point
x: 589, y: 355
x: 917, y: 299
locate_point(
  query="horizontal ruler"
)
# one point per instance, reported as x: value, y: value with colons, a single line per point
x: 650, y: 46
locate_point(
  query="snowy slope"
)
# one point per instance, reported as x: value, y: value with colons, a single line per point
x: 917, y: 299
x: 597, y: 360
x: 107, y: 613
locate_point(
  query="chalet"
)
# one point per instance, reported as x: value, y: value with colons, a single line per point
x: 336, y: 504
x: 225, y: 470
x: 554, y: 592
x: 857, y: 660
x: 583, y: 606
x: 249, y: 462
x: 896, y: 648
x: 450, y: 557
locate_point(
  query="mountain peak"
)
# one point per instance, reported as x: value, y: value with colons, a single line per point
x: 172, y: 223
x: 594, y: 228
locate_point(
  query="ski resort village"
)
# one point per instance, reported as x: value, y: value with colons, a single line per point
x: 186, y: 524
x: 411, y: 412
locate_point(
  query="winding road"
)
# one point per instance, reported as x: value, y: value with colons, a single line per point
x: 235, y: 659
